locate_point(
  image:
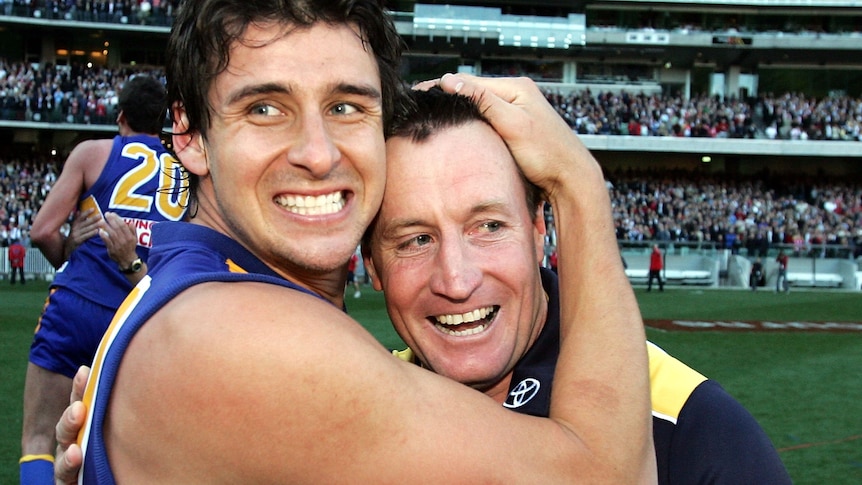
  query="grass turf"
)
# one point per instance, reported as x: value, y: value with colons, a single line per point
x: 803, y: 387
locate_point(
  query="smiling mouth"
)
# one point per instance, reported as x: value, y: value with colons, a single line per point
x: 463, y: 324
x: 311, y: 205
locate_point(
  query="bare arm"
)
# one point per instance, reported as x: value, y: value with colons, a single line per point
x: 81, y: 169
x: 283, y: 387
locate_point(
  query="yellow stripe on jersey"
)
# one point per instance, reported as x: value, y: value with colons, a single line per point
x: 233, y: 267
x: 108, y: 337
x: 671, y: 383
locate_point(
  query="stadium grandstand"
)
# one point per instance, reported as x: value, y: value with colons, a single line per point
x: 727, y: 129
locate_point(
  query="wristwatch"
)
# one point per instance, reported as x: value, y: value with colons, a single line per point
x: 133, y: 268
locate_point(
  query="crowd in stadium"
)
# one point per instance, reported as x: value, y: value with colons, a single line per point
x: 141, y: 12
x: 789, y: 116
x: 24, y: 184
x: 753, y: 214
x: 78, y: 94
x: 73, y: 94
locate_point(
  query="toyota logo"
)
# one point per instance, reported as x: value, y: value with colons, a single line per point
x: 522, y: 393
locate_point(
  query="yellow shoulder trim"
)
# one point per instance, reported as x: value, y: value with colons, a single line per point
x: 671, y: 382
x: 406, y: 355
x: 233, y: 267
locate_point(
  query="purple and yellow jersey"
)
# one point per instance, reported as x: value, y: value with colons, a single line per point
x: 142, y: 183
x: 183, y: 255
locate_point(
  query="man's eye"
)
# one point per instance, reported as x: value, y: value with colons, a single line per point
x: 265, y: 110
x: 492, y: 226
x: 344, y: 109
x: 417, y: 241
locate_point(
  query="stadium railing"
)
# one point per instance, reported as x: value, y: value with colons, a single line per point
x: 35, y: 265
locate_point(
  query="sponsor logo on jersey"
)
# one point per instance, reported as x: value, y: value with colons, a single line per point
x: 522, y: 393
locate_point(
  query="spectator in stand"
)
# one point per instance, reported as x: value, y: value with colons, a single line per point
x: 17, y: 253
x: 656, y: 264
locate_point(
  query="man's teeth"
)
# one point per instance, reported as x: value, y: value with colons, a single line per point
x: 459, y: 318
x: 443, y: 321
x: 312, y: 205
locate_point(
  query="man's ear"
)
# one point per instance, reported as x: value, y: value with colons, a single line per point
x: 539, y: 231
x: 371, y: 271
x: 188, y: 145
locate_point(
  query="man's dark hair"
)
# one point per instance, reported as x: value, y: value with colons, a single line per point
x: 420, y: 114
x: 142, y: 101
x: 206, y: 30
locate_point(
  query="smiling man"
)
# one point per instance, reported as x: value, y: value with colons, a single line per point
x: 233, y: 362
x: 459, y: 264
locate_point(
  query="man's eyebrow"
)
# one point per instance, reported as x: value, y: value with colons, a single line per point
x: 258, y: 89
x: 277, y: 88
x: 497, y: 206
x: 392, y: 226
x: 358, y: 89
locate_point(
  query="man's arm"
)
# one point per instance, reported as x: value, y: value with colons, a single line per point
x: 283, y: 386
x: 717, y: 440
x: 81, y: 168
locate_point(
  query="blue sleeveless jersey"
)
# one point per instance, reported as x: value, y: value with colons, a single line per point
x: 184, y: 255
x: 142, y: 183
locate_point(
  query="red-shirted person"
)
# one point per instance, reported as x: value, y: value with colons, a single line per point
x: 17, y: 252
x: 655, y: 266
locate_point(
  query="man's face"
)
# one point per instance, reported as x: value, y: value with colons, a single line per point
x: 295, y: 156
x: 456, y: 252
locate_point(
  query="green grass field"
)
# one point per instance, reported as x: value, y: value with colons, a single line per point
x: 803, y: 387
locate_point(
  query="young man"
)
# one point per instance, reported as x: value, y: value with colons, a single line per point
x: 459, y: 264
x: 135, y: 178
x: 241, y: 304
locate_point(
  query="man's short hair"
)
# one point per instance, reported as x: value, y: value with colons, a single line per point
x: 142, y: 101
x: 420, y: 114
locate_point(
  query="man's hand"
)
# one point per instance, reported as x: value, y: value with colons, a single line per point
x: 543, y: 145
x: 120, y: 238
x: 68, y: 458
x: 85, y: 225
